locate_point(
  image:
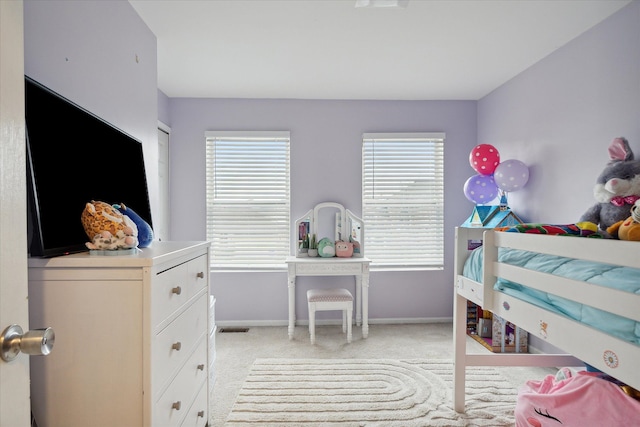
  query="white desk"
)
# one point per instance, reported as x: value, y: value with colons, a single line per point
x: 335, y: 266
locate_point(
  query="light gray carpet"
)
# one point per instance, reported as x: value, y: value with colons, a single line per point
x: 237, y: 352
x: 368, y: 392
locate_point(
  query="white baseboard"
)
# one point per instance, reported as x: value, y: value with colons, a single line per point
x: 305, y: 322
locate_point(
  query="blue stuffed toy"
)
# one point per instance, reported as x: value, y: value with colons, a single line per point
x: 145, y: 232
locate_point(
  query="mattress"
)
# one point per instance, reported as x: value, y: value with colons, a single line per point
x: 616, y: 277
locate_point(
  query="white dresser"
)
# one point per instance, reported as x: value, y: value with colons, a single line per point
x: 133, y: 338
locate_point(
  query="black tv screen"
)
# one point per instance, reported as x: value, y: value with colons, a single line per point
x: 74, y: 157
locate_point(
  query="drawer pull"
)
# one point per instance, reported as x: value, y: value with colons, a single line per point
x: 177, y: 346
x: 176, y: 405
x: 201, y: 414
x: 200, y: 275
x: 177, y: 290
x: 201, y: 367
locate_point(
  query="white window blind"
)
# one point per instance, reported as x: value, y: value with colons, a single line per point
x: 403, y: 199
x: 248, y: 199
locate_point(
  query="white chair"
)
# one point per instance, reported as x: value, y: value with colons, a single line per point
x: 330, y: 299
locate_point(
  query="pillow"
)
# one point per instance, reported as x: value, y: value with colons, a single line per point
x: 581, y: 229
x: 578, y: 400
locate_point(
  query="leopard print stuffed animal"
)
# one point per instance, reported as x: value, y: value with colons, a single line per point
x: 107, y: 228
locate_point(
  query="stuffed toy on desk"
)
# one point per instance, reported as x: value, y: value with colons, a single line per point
x: 326, y: 248
x: 617, y: 188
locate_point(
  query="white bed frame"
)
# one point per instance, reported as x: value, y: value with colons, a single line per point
x: 616, y: 357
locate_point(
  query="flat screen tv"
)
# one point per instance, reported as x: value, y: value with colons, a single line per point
x: 74, y: 157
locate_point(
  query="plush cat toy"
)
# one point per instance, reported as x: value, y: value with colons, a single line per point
x: 617, y: 188
x: 344, y: 249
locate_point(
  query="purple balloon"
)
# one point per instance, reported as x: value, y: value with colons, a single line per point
x: 511, y: 175
x: 480, y: 189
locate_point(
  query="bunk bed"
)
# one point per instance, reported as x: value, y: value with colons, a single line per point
x: 547, y: 305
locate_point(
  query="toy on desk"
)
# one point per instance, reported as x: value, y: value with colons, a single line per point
x: 617, y: 188
x: 107, y: 228
x: 357, y: 252
x: 145, y: 232
x: 344, y: 249
x: 326, y: 248
x: 629, y: 229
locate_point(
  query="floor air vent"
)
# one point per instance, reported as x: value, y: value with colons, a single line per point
x: 223, y: 330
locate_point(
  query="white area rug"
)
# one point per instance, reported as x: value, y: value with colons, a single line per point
x: 369, y: 392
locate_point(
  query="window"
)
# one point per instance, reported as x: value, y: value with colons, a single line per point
x: 248, y: 199
x: 403, y: 199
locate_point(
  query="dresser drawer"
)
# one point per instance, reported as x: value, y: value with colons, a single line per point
x: 175, y: 286
x: 176, y: 402
x: 130, y: 298
x: 197, y: 415
x: 174, y: 344
x: 333, y: 269
x: 198, y: 272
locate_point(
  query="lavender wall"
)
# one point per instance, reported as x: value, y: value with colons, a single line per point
x: 326, y: 138
x: 102, y: 56
x: 560, y: 115
x: 164, y: 115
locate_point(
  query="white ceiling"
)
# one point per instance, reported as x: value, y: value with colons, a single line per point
x: 329, y: 49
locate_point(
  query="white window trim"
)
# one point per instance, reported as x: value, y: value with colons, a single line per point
x: 278, y: 261
x: 377, y: 230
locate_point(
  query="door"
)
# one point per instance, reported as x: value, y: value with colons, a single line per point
x: 161, y: 229
x: 14, y: 309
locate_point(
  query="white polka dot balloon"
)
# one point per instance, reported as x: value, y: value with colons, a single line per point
x: 484, y: 159
x: 480, y: 189
x: 511, y: 175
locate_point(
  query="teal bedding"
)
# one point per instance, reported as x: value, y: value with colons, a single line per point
x: 622, y: 278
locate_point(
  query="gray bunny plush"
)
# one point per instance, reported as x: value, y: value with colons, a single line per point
x: 617, y: 188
